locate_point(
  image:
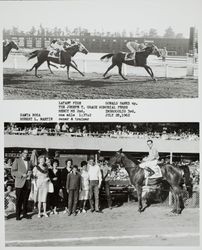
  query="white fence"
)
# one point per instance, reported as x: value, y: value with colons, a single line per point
x: 173, y: 67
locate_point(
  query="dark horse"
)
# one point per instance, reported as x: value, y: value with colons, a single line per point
x: 65, y: 58
x: 7, y: 48
x: 171, y: 174
x: 140, y: 60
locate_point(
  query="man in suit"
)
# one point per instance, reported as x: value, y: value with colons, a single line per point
x: 21, y: 172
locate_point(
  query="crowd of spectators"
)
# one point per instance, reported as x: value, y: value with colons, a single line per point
x: 61, y: 179
x: 71, y: 185
x: 118, y: 131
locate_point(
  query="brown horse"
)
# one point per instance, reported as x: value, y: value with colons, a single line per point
x: 171, y: 174
x: 65, y: 58
x: 140, y: 60
x: 7, y: 48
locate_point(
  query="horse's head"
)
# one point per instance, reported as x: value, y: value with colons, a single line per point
x: 117, y: 159
x: 14, y: 45
x: 82, y: 48
x: 155, y: 50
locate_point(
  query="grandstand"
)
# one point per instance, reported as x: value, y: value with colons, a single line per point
x: 83, y: 144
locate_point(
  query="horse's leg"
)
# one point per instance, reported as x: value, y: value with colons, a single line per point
x: 120, y: 73
x: 152, y: 73
x: 72, y: 65
x: 110, y: 67
x: 174, y: 210
x: 53, y: 65
x: 37, y: 65
x: 149, y: 71
x: 31, y: 68
x: 68, y: 74
x: 177, y: 192
x: 139, y: 197
x: 48, y: 63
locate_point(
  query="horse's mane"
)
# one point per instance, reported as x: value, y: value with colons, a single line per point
x: 134, y: 163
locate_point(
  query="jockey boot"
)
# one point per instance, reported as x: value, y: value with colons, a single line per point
x: 129, y: 56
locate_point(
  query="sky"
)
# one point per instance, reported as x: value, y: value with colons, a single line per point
x: 103, y: 15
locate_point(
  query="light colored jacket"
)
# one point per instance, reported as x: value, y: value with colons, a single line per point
x: 17, y: 171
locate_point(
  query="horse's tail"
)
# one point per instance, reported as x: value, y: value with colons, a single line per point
x: 106, y: 56
x: 33, y: 54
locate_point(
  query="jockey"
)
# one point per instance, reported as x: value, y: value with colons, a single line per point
x: 134, y: 47
x: 5, y: 42
x: 56, y: 44
x: 68, y: 43
x: 149, y: 162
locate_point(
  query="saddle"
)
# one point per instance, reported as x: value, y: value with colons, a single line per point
x: 154, y: 172
x: 129, y: 56
x: 54, y: 54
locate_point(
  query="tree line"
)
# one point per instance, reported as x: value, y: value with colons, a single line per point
x: 79, y: 31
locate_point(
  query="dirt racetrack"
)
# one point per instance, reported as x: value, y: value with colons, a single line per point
x: 19, y: 84
x: 117, y: 227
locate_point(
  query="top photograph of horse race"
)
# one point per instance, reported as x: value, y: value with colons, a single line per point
x: 100, y: 49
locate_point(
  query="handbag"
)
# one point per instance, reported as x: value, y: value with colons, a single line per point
x: 50, y: 187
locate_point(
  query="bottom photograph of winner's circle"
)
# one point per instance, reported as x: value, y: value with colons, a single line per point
x: 104, y: 184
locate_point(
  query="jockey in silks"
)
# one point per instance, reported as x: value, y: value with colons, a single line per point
x: 149, y: 163
x: 134, y: 47
x: 57, y: 45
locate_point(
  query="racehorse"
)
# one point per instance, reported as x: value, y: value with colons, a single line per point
x: 7, y: 48
x: 65, y: 58
x: 140, y: 60
x: 170, y: 173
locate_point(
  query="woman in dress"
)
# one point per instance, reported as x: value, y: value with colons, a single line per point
x: 84, y: 193
x: 40, y: 173
x: 55, y: 177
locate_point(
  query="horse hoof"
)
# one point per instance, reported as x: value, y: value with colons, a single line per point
x: 107, y: 77
x: 174, y: 211
x: 154, y: 79
x: 39, y: 76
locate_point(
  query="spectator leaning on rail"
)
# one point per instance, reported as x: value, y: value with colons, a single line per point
x: 95, y: 179
x: 150, y: 162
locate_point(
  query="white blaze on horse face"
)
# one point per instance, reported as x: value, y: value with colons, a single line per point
x: 82, y: 48
x: 156, y: 51
x: 15, y: 46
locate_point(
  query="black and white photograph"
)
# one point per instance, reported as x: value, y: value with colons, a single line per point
x: 100, y: 49
x: 102, y: 184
